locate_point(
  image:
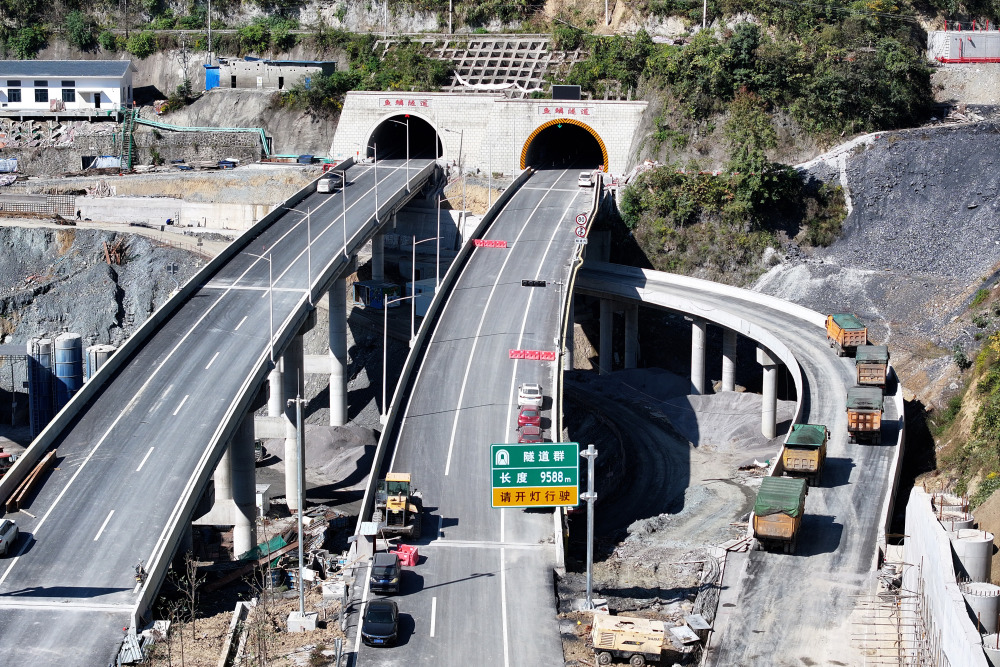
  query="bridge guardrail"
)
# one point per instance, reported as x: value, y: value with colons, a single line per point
x: 416, y: 352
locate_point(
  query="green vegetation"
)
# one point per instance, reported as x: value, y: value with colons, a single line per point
x: 80, y: 30
x: 980, y: 296
x: 24, y: 43
x: 980, y: 451
x: 142, y: 44
x: 402, y: 68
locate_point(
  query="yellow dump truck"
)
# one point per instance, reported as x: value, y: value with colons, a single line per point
x: 872, y: 362
x: 636, y: 640
x: 845, y: 332
x: 864, y: 415
x: 805, y: 451
x: 777, y: 513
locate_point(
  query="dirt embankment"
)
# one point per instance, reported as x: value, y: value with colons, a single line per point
x: 921, y: 240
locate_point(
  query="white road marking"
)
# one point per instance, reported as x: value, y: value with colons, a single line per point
x: 143, y: 462
x: 103, y: 526
x: 434, y: 608
x: 241, y: 323
x: 181, y: 405
x: 212, y: 361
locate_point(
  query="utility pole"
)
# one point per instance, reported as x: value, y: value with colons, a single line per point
x: 590, y: 496
x: 300, y: 446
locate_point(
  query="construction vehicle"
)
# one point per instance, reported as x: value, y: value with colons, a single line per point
x: 845, y: 332
x: 864, y: 415
x: 6, y: 461
x: 777, y: 512
x: 397, y: 505
x: 872, y: 362
x: 805, y: 451
x: 637, y: 640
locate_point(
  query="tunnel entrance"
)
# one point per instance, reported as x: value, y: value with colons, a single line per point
x: 389, y: 138
x: 564, y: 143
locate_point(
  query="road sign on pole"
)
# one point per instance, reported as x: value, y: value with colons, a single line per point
x: 581, y: 218
x: 542, y: 474
x: 581, y: 231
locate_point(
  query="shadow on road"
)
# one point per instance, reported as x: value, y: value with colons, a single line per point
x: 819, y: 534
x: 836, y: 471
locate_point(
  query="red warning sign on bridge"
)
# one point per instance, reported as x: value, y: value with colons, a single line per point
x: 485, y: 243
x: 532, y: 355
x: 581, y: 231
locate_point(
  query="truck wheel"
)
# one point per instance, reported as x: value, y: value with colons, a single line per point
x: 604, y: 658
x: 637, y: 660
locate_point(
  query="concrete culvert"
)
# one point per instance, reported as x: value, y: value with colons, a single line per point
x: 563, y: 144
x: 390, y: 138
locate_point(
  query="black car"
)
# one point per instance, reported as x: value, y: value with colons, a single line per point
x: 386, y: 573
x: 380, y: 625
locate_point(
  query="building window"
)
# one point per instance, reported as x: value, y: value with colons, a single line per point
x: 41, y: 94
x: 13, y: 94
x: 68, y: 95
x: 69, y: 84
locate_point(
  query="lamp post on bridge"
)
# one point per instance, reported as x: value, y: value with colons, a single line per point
x: 384, y: 417
x: 270, y: 297
x: 437, y: 264
x: 407, y: 124
x: 413, y: 280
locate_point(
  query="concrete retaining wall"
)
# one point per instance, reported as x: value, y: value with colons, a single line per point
x: 156, y: 211
x: 929, y: 574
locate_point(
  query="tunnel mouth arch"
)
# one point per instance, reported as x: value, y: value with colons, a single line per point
x: 564, y: 142
x: 389, y: 138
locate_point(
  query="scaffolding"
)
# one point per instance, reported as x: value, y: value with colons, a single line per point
x: 892, y: 625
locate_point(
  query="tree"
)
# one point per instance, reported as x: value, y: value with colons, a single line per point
x: 25, y: 43
x: 142, y: 44
x: 79, y: 30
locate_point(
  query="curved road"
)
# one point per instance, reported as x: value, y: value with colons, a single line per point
x: 793, y: 609
x: 137, y: 452
x: 483, y: 596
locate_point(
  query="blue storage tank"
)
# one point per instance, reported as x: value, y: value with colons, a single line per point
x: 97, y: 355
x: 69, y: 368
x: 39, y: 383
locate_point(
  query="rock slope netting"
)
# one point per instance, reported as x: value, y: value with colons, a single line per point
x: 53, y: 281
x: 921, y: 239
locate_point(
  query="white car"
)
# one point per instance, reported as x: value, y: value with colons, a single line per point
x: 530, y: 393
x: 586, y: 179
x: 328, y: 184
x: 8, y: 536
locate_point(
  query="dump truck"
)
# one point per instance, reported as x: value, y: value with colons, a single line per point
x: 398, y: 505
x: 777, y: 512
x: 805, y: 452
x: 845, y: 332
x: 872, y: 362
x: 637, y: 640
x: 864, y: 415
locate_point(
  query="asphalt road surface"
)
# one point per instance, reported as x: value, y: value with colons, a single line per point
x: 124, y: 463
x: 796, y: 609
x: 483, y: 595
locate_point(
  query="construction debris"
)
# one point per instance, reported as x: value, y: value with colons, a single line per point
x: 114, y: 253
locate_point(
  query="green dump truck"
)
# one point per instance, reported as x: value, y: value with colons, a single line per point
x: 872, y: 362
x: 777, y: 512
x: 864, y: 415
x: 804, y: 452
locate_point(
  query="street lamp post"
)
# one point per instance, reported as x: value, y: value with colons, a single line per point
x: 309, y: 257
x: 413, y: 282
x: 343, y: 192
x: 300, y: 447
x: 407, y: 124
x: 270, y: 296
x: 384, y: 418
x: 374, y: 148
x: 437, y: 265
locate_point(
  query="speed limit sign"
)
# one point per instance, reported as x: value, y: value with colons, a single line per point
x: 581, y: 219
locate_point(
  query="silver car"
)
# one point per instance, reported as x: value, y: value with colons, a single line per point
x: 530, y: 393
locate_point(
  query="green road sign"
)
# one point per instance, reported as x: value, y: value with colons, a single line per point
x: 543, y: 474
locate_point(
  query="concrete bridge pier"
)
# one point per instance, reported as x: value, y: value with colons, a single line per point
x: 243, y: 480
x: 698, y: 330
x: 728, y: 360
x: 378, y: 257
x: 769, y: 404
x: 604, y: 361
x: 570, y: 336
x: 338, y: 352
x: 292, y: 360
x: 275, y: 393
x: 631, y: 335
